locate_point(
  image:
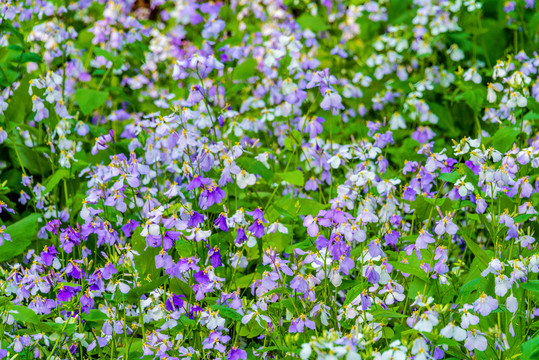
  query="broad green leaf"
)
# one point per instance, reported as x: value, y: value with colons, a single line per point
x: 530, y: 349
x: 531, y: 116
x: 255, y: 167
x: 278, y: 241
x: 22, y: 233
x: 504, y: 138
x: 450, y: 177
x: 353, y: 293
x: 246, y: 280
x: 468, y: 288
x: 475, y: 249
x: 387, y: 314
x: 23, y: 314
x: 410, y: 269
x: 89, y: 99
x: 244, y: 70
x: 135, y: 293
x: 19, y: 104
x: 227, y: 312
x: 55, y: 179
x: 314, y: 23
x: 523, y: 217
x: 531, y: 285
x: 294, y: 177
x: 30, y: 57
x: 145, y: 263
x: 95, y: 315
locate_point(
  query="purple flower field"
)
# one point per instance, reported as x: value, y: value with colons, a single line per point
x: 269, y: 179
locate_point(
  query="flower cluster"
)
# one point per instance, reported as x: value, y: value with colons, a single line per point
x: 268, y: 179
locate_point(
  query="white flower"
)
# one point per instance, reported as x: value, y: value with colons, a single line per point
x: 455, y: 53
x: 277, y: 226
x: 503, y: 284
x: 511, y: 303
x: 464, y: 187
x: 491, y: 91
x: 475, y: 341
x: 426, y: 322
x: 472, y: 75
x: 244, y: 179
x: 150, y: 228
x: 306, y: 351
x: 420, y: 349
x: 397, y: 122
x: 397, y: 351
x: 453, y: 331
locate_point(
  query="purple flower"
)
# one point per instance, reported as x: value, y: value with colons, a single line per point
x: 446, y: 225
x: 4, y: 235
x: 236, y: 353
x: 257, y: 214
x: 215, y: 341
x: 332, y: 100
x: 66, y: 293
x: 175, y: 302
x: 211, y: 195
x: 198, y: 182
x: 485, y: 304
x: 221, y: 222
x: 257, y: 229
x: 215, y: 257
x: 312, y: 227
x: 102, y: 142
x: 424, y: 239
x: 475, y: 341
x: 299, y: 324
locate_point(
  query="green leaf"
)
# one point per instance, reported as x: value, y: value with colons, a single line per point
x: 246, y: 280
x: 20, y: 103
x: 410, y: 269
x: 89, y: 99
x: 145, y: 263
x: 294, y: 177
x: 184, y: 247
x: 32, y: 159
x: 450, y: 177
x: 55, y: 179
x: 289, y: 144
x: 530, y: 349
x: 468, y: 288
x: 278, y: 241
x: 309, y: 207
x: 314, y: 23
x: 244, y: 70
x: 387, y: 314
x: 523, y: 217
x: 255, y: 167
x: 227, y: 312
x: 21, y: 233
x: 117, y: 61
x: 475, y: 249
x: 504, y: 138
x: 531, y: 285
x: 531, y: 116
x: 95, y: 315
x: 30, y: 57
x: 23, y: 314
x: 353, y: 293
x: 135, y: 293
x: 474, y: 99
